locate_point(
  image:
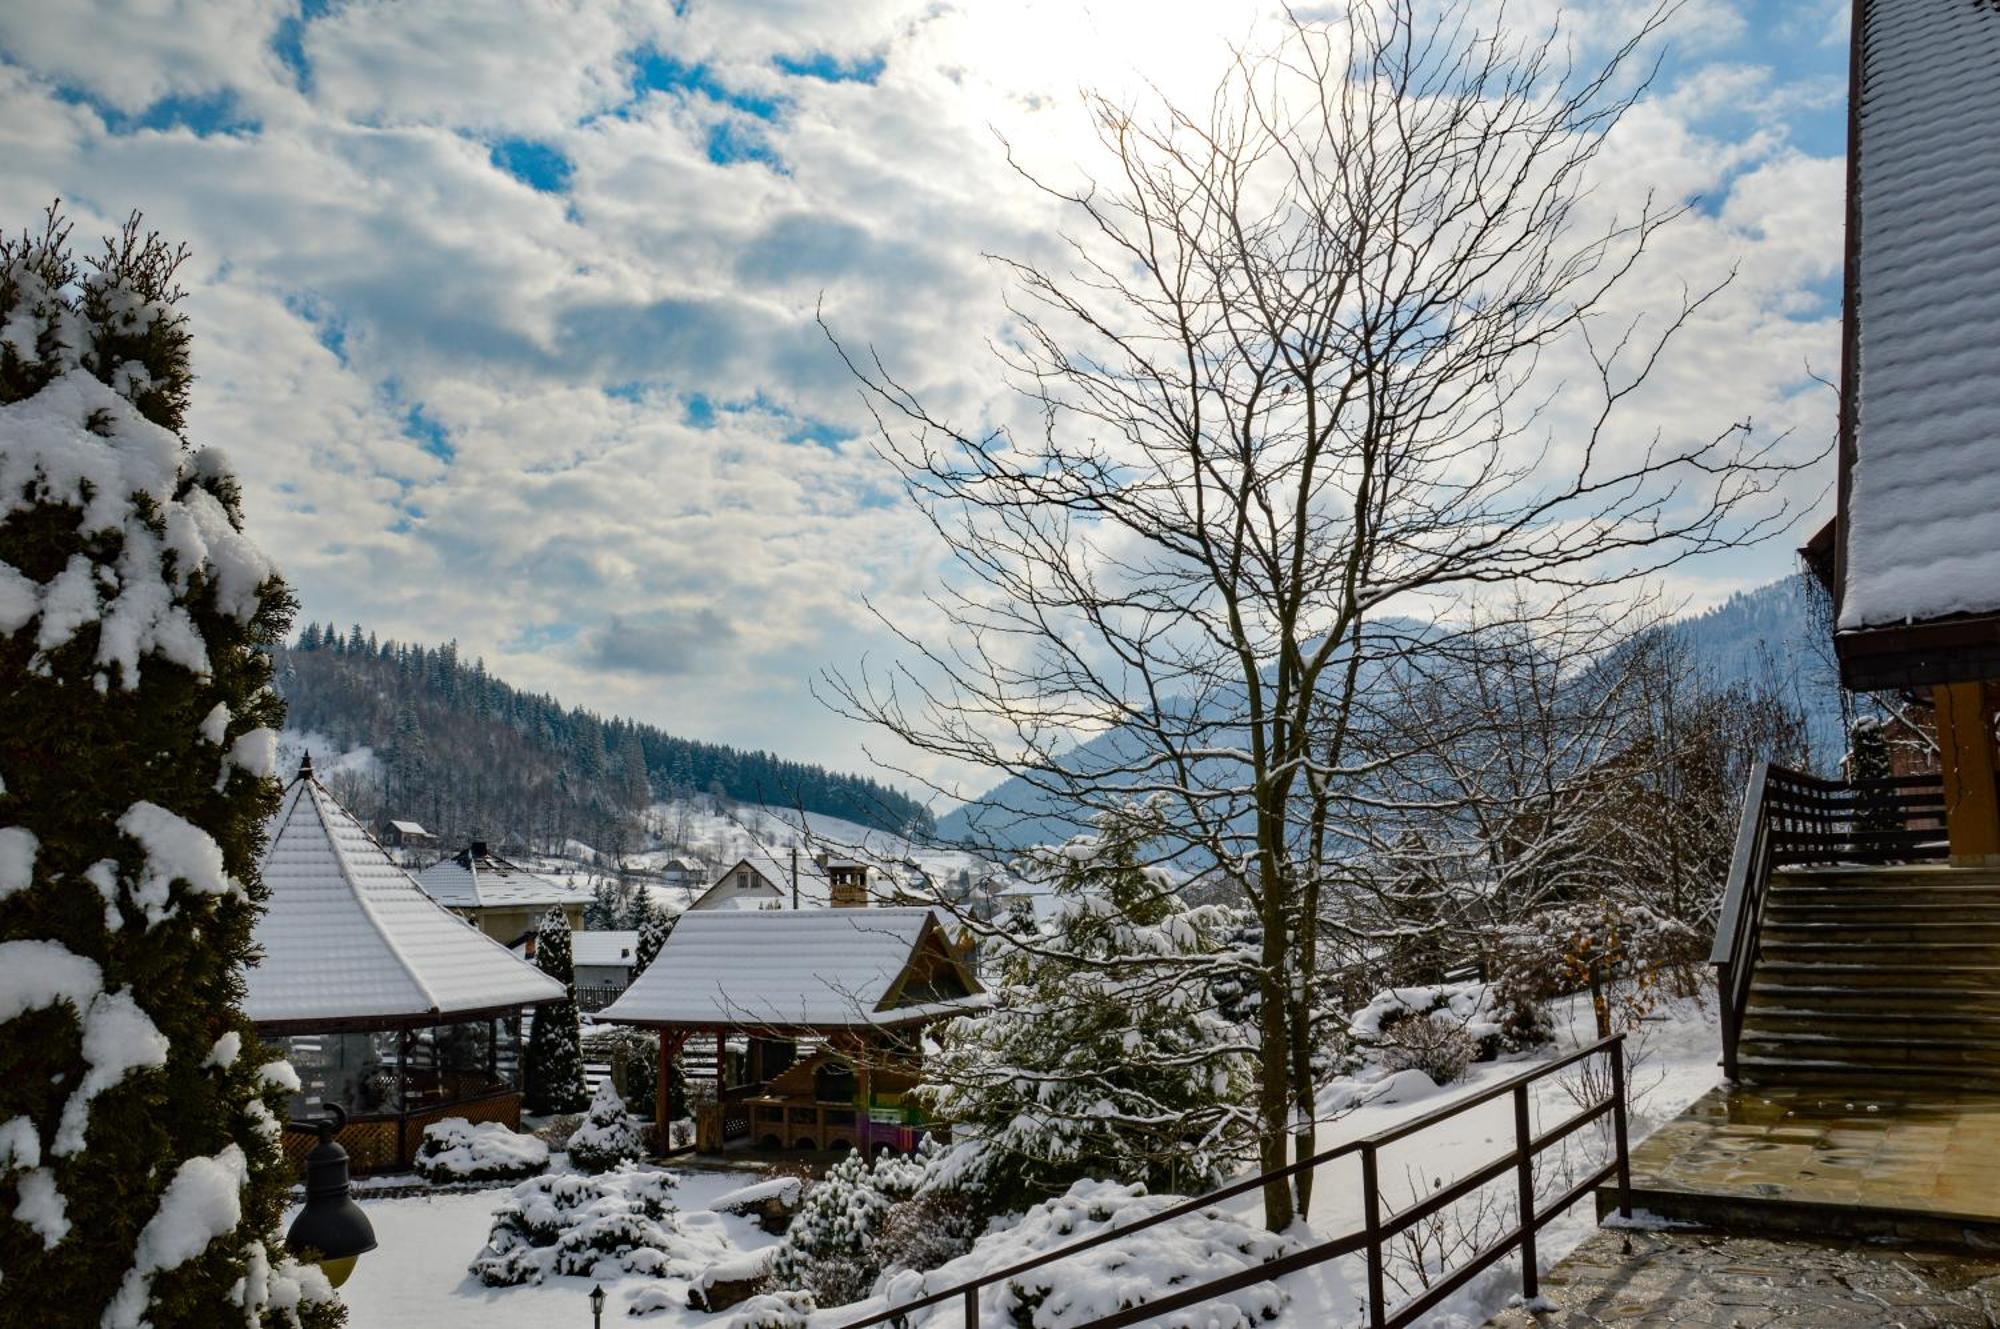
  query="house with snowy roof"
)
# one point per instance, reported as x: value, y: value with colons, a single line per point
x: 503, y: 899
x: 1816, y: 988
x: 812, y: 1015
x: 385, y: 1002
x: 793, y: 878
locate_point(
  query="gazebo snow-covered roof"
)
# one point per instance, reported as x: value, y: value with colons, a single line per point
x: 476, y: 878
x: 351, y: 941
x: 801, y: 970
x: 1915, y: 552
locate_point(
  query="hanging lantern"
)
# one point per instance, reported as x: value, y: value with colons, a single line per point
x: 331, y: 1230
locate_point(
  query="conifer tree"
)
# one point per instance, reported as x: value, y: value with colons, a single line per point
x: 555, y: 1052
x: 140, y: 1176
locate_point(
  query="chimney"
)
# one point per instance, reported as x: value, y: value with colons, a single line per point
x: 847, y: 884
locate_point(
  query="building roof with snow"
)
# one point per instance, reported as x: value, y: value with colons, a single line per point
x: 762, y: 879
x: 801, y: 969
x: 408, y: 828
x: 1916, y: 550
x: 608, y: 948
x: 350, y: 940
x: 477, y: 878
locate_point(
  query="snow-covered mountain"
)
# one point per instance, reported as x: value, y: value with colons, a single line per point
x: 1763, y: 635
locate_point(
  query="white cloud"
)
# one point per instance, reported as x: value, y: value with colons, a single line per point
x: 659, y: 497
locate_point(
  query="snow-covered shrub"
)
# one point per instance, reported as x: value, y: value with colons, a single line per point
x: 609, y: 1134
x: 1438, y: 1048
x: 572, y: 1224
x: 1439, y: 1030
x: 1131, y: 1271
x: 141, y: 1179
x: 926, y: 1230
x: 634, y: 1057
x: 774, y: 1310
x: 1102, y: 1053
x: 829, y: 1249
x: 456, y: 1150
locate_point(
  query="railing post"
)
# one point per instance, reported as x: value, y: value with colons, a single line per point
x: 1531, y: 1279
x: 1618, y: 1129
x: 1371, y: 1218
x: 972, y: 1308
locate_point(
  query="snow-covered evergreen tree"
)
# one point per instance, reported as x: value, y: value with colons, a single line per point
x: 653, y: 934
x: 555, y: 1053
x: 140, y: 1176
x: 609, y: 1135
x: 829, y: 1249
x: 1103, y: 1054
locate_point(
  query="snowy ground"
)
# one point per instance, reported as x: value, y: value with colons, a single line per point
x: 417, y: 1279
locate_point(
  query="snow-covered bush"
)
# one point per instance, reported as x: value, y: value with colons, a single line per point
x: 774, y: 1310
x: 140, y: 1174
x: 1102, y: 1054
x: 830, y: 1248
x: 634, y: 1057
x: 572, y: 1224
x: 456, y: 1150
x: 555, y: 1053
x: 1128, y: 1272
x: 609, y: 1135
x: 1439, y: 1030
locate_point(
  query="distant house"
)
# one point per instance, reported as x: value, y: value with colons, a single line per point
x: 604, y: 959
x: 407, y: 835
x: 762, y: 880
x: 504, y: 899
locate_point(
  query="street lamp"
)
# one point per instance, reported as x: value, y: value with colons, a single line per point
x: 331, y: 1230
x: 597, y: 1307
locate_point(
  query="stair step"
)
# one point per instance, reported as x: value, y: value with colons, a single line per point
x: 1856, y: 897
x: 1882, y: 1053
x: 1783, y: 913
x: 1849, y: 1077
x: 1818, y: 1021
x: 1858, y: 949
x: 1866, y: 973
x: 1904, y: 931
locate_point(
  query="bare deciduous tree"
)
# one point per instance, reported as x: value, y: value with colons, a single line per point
x: 1296, y: 412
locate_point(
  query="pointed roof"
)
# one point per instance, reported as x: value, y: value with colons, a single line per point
x: 801, y: 969
x: 350, y: 939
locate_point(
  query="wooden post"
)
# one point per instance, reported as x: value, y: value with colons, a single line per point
x: 1965, y: 750
x: 662, y: 1081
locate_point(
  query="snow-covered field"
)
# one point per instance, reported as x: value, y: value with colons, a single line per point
x: 417, y: 1279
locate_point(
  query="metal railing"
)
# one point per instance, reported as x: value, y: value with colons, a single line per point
x: 1792, y: 819
x: 1377, y: 1229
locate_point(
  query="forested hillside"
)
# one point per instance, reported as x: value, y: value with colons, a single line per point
x: 466, y: 754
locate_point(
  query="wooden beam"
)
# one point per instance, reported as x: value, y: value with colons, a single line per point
x: 1965, y: 750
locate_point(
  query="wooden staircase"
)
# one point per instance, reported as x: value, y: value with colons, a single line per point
x: 1874, y: 980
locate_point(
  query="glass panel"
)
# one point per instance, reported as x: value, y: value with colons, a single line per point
x: 357, y: 1071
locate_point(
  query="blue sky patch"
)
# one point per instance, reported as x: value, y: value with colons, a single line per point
x: 431, y: 436
x: 208, y: 113
x: 832, y: 69
x: 653, y: 70
x: 536, y: 165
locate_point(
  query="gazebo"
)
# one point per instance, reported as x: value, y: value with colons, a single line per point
x: 385, y: 1002
x: 824, y: 1005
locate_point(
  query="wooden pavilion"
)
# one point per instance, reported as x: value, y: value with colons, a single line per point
x: 825, y: 1005
x: 385, y: 1002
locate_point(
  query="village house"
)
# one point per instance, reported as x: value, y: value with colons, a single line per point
x: 503, y: 899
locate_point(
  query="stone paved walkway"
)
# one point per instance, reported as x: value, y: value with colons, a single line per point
x: 1704, y: 1280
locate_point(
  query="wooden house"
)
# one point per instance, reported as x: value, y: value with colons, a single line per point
x: 763, y: 879
x: 823, y: 1006
x: 1857, y: 946
x: 384, y: 1001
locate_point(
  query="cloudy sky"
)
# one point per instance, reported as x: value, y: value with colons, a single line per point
x: 505, y: 311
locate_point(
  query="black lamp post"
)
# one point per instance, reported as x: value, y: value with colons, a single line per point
x: 597, y: 1307
x: 331, y: 1230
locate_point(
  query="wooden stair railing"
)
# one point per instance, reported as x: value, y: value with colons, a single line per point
x: 1378, y: 1229
x: 1792, y: 819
